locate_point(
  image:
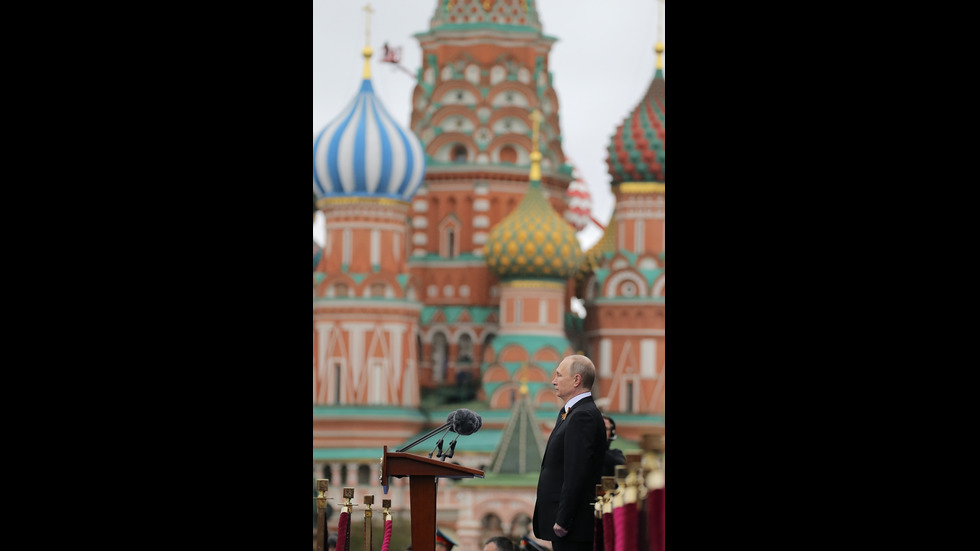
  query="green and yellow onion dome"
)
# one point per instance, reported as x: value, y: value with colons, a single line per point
x: 533, y: 241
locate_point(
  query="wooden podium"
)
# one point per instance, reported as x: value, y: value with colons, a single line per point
x: 422, y: 473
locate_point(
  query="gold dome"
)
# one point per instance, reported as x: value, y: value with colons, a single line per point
x: 533, y: 241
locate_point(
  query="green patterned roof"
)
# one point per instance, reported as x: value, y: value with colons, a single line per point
x: 533, y: 241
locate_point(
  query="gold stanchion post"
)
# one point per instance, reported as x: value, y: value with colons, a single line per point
x: 322, y: 485
x: 368, y: 526
x: 609, y: 487
x: 620, y: 495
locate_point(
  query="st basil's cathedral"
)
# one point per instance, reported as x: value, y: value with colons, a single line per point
x: 450, y: 261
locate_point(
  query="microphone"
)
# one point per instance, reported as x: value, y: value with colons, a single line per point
x: 465, y: 423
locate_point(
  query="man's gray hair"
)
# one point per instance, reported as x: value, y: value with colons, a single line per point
x: 583, y: 366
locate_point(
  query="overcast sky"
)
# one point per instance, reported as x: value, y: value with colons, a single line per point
x: 602, y: 64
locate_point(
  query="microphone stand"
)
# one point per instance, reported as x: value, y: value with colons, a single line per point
x: 439, y: 445
x: 452, y: 449
x: 424, y: 437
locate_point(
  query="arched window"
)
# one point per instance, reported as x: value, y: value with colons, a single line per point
x: 459, y: 154
x: 508, y: 155
x: 449, y: 246
x: 363, y: 475
x: 465, y: 349
x: 440, y: 357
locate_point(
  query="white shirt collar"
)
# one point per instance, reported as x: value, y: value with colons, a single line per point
x: 574, y: 400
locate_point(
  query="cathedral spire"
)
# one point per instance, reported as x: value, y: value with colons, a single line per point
x: 535, y: 150
x: 366, y: 52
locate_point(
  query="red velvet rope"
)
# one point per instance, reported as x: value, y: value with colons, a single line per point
x: 663, y: 519
x: 630, y: 528
x: 619, y: 517
x: 655, y: 519
x: 342, y: 532
x: 597, y: 541
x: 387, y: 541
x: 608, y: 532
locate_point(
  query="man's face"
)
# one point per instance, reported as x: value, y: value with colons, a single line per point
x: 563, y: 382
x: 608, y: 429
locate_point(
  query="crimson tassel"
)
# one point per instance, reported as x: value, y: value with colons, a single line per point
x: 342, y: 544
x: 608, y: 532
x: 387, y: 541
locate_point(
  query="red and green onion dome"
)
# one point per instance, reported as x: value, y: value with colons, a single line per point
x: 637, y: 152
x: 519, y: 15
x: 533, y: 241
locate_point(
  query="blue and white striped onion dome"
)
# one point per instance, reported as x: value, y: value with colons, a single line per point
x: 364, y: 153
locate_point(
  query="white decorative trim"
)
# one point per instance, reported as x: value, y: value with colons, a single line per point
x: 658, y: 286
x: 612, y: 285
x: 648, y: 358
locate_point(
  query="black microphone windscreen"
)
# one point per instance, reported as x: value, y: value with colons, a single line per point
x: 450, y: 417
x: 466, y: 422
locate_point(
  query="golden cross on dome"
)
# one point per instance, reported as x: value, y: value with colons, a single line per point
x: 536, y: 119
x: 367, y: 25
x: 366, y: 52
x: 659, y: 48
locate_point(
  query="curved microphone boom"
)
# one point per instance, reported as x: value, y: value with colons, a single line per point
x: 449, y: 424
